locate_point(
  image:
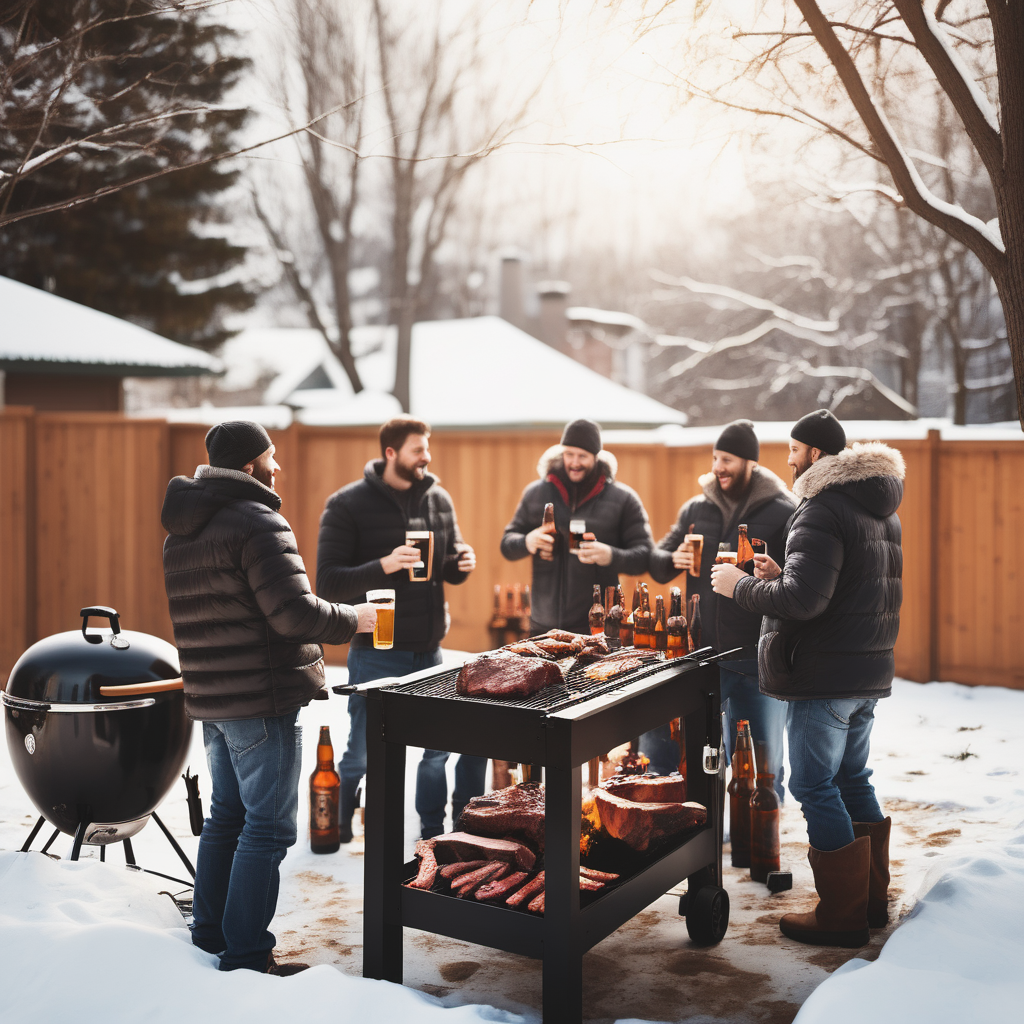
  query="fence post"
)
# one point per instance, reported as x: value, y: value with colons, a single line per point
x: 935, y: 547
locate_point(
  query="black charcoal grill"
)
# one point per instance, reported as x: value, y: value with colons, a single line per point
x: 561, y: 729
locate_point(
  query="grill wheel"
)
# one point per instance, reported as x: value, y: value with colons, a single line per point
x: 707, y: 915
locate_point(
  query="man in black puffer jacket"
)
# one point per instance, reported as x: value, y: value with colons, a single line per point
x: 578, y: 478
x: 831, y: 621
x: 248, y: 631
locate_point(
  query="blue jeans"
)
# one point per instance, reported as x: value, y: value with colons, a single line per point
x: 254, y: 772
x: 366, y: 664
x: 742, y: 698
x: 828, y: 755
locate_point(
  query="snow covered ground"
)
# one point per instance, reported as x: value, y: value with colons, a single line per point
x: 95, y: 939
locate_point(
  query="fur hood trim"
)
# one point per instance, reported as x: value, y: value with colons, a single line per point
x: 858, y: 462
x: 553, y: 456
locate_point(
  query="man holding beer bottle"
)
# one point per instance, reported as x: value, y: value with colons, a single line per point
x: 736, y: 491
x: 577, y: 478
x: 396, y: 529
x: 831, y: 617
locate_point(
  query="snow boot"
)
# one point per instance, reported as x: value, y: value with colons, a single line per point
x: 841, y: 916
x: 878, y: 891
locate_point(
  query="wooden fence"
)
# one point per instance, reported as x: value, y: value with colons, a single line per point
x: 80, y: 495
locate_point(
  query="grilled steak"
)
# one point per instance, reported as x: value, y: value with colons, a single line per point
x: 527, y: 649
x: 613, y: 665
x: 506, y: 675
x: 455, y: 846
x: 648, y: 788
x: 534, y: 885
x: 517, y: 811
x: 428, y: 865
x: 492, y: 890
x: 556, y: 648
x: 640, y: 825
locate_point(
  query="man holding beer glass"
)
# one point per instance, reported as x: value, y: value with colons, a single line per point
x: 737, y: 490
x: 394, y: 538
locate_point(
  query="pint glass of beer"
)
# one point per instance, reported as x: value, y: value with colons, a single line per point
x: 384, y: 630
x: 696, y: 542
x: 726, y: 557
x: 577, y: 527
x: 424, y: 540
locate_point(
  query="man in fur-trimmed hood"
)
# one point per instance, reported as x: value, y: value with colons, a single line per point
x: 578, y: 477
x: 831, y: 620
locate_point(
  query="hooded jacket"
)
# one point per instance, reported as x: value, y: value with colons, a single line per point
x: 363, y: 522
x: 247, y: 627
x: 563, y: 589
x: 832, y: 617
x: 765, y: 509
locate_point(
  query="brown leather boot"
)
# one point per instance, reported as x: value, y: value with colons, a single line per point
x: 284, y: 970
x: 841, y: 916
x: 878, y: 890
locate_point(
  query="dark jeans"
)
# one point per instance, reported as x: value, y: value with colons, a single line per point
x: 366, y: 664
x: 254, y: 776
x: 828, y: 752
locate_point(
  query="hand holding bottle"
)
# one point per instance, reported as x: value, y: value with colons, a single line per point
x: 541, y: 542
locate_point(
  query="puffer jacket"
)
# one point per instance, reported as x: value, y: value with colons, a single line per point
x: 562, y: 592
x: 246, y: 624
x: 766, y: 511
x: 360, y: 524
x: 832, y: 617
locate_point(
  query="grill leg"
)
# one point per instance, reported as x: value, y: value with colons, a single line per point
x: 51, y: 840
x: 384, y: 844
x: 76, y: 846
x: 563, y: 953
x: 174, y: 843
x: 129, y: 853
x: 103, y: 854
x: 704, y: 726
x: 32, y: 835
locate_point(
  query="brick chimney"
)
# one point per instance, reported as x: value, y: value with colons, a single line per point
x: 554, y: 324
x: 510, y: 301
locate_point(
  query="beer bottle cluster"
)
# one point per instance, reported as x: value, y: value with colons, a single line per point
x: 510, y: 619
x: 753, y: 809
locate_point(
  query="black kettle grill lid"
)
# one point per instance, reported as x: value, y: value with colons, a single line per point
x: 70, y: 668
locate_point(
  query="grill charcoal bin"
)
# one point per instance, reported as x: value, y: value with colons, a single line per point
x: 561, y: 729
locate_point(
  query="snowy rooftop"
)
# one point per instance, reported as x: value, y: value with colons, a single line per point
x: 607, y: 317
x: 40, y: 332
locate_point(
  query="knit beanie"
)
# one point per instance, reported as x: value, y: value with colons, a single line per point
x: 739, y: 439
x: 585, y: 434
x: 236, y: 443
x: 820, y: 430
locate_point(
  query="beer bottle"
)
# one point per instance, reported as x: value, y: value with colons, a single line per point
x: 548, y: 523
x: 498, y: 619
x: 643, y: 622
x: 744, y: 551
x: 596, y: 617
x: 660, y: 630
x: 609, y: 599
x: 741, y: 787
x: 764, y: 823
x: 515, y: 614
x: 524, y: 618
x: 695, y: 630
x: 625, y: 626
x: 676, y: 644
x: 613, y: 619
x: 629, y: 621
x: 324, y: 795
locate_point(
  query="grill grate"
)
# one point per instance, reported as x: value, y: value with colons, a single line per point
x: 575, y: 689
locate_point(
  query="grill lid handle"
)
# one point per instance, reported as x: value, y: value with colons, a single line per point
x: 101, y: 610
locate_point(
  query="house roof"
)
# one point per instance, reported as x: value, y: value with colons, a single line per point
x: 477, y: 372
x: 43, y: 333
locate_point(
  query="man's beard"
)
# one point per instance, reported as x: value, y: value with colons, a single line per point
x: 798, y: 471
x: 265, y: 476
x: 409, y: 473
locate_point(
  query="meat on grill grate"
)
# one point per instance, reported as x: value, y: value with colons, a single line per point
x: 463, y: 846
x: 648, y: 788
x: 640, y: 824
x: 517, y: 811
x: 506, y: 675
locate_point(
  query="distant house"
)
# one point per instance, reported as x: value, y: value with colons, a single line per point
x: 57, y: 354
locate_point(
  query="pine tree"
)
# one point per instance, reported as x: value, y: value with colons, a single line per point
x: 154, y: 253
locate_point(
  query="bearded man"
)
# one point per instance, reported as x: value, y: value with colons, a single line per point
x: 362, y: 547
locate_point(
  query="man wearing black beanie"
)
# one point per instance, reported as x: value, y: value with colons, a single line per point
x: 737, y: 490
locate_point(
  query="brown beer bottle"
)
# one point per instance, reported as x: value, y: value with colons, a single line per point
x: 676, y: 643
x: 596, y: 617
x: 515, y: 614
x: 741, y: 788
x: 613, y: 619
x: 629, y: 623
x: 695, y: 629
x: 660, y: 627
x: 524, y: 617
x: 643, y: 622
x: 744, y: 550
x: 764, y: 826
x: 498, y: 619
x: 324, y: 794
x: 625, y: 626
x: 548, y: 523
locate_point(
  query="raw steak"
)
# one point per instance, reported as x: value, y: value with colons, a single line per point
x: 506, y: 675
x: 639, y: 825
x: 455, y: 846
x: 517, y: 811
x: 648, y: 788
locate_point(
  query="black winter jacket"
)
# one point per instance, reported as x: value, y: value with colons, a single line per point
x: 246, y: 624
x: 832, y: 617
x: 766, y: 511
x: 563, y: 589
x: 361, y: 524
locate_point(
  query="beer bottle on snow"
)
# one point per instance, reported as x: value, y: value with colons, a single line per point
x: 744, y: 550
x: 324, y: 794
x: 596, y: 617
x: 660, y: 632
x: 741, y: 788
x: 676, y: 644
x: 764, y: 823
x: 695, y: 631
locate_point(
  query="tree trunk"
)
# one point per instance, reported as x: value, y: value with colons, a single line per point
x: 402, y: 312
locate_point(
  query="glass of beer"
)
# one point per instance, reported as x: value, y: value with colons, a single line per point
x: 726, y: 557
x: 696, y: 542
x: 384, y: 629
x: 577, y: 527
x: 424, y: 540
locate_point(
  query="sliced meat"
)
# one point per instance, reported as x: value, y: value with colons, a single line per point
x: 498, y: 887
x: 537, y: 903
x: 517, y: 811
x: 460, y: 867
x: 559, y: 648
x: 536, y: 884
x: 640, y: 825
x: 456, y: 846
x: 594, y: 648
x: 612, y: 666
x: 526, y: 649
x: 590, y: 884
x: 428, y: 865
x: 468, y: 882
x: 562, y: 634
x: 648, y: 788
x: 598, y: 876
x: 500, y: 674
